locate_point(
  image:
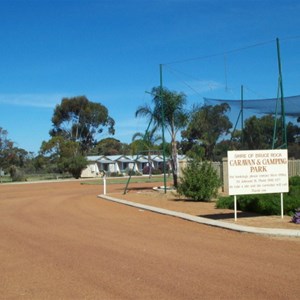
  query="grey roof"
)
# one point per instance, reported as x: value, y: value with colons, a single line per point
x: 110, y: 159
x: 105, y: 161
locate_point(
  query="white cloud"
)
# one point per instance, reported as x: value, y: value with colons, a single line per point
x: 31, y: 100
x: 203, y: 86
x: 209, y: 85
x: 132, y: 123
x: 126, y: 128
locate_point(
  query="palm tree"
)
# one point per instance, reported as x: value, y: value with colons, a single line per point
x: 147, y: 142
x: 173, y: 119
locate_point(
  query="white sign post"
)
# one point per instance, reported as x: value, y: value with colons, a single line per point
x: 104, y: 182
x: 104, y: 185
x: 258, y: 172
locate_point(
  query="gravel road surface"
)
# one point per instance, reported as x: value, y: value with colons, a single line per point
x: 59, y: 241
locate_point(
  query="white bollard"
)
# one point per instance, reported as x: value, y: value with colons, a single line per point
x: 104, y: 185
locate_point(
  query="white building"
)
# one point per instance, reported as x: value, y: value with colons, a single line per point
x: 122, y: 164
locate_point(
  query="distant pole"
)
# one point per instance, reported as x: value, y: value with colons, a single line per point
x: 242, y: 113
x: 275, y: 123
x: 163, y: 126
x: 235, y: 208
x: 284, y: 134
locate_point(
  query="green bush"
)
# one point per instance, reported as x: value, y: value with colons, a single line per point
x: 225, y: 202
x: 294, y: 181
x: 156, y: 172
x: 200, y: 181
x: 115, y: 174
x: 266, y: 204
x: 74, y: 165
x: 291, y: 203
x: 16, y: 174
x: 131, y: 172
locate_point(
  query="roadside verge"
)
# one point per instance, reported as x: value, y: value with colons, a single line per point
x: 201, y: 220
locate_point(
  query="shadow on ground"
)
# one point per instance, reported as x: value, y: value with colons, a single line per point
x: 134, y: 189
x: 223, y: 216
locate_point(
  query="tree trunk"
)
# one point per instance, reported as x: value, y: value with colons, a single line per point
x: 149, y: 164
x: 174, y: 160
x: 174, y: 172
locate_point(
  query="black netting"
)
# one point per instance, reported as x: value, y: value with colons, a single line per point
x: 263, y: 106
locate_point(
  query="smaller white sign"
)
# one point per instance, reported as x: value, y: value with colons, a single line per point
x: 258, y: 172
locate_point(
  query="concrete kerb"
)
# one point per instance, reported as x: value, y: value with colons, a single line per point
x: 241, y: 228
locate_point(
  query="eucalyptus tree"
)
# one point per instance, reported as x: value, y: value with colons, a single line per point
x: 259, y: 132
x: 80, y: 120
x: 65, y: 154
x: 110, y: 146
x: 13, y: 158
x: 6, y: 147
x: 206, y: 125
x: 168, y: 111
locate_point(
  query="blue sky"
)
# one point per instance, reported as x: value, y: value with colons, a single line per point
x: 110, y: 51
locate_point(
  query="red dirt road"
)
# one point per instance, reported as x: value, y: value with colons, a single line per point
x: 59, y: 241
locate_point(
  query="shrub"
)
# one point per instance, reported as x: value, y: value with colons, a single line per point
x: 116, y: 174
x: 267, y: 204
x: 199, y: 182
x: 16, y: 174
x: 225, y: 202
x: 156, y: 172
x: 291, y: 203
x: 75, y: 165
x: 131, y: 172
x: 296, y: 217
x: 294, y: 181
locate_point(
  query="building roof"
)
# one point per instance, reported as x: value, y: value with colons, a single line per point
x: 110, y: 159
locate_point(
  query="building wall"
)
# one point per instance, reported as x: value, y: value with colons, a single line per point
x: 91, y: 170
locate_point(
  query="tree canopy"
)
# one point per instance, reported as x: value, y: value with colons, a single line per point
x: 207, y: 124
x: 258, y: 133
x: 175, y: 116
x: 148, y: 140
x: 169, y: 111
x: 65, y: 154
x: 110, y: 146
x: 6, y: 146
x: 78, y: 119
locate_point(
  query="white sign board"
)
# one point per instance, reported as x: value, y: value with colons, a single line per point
x: 257, y: 172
